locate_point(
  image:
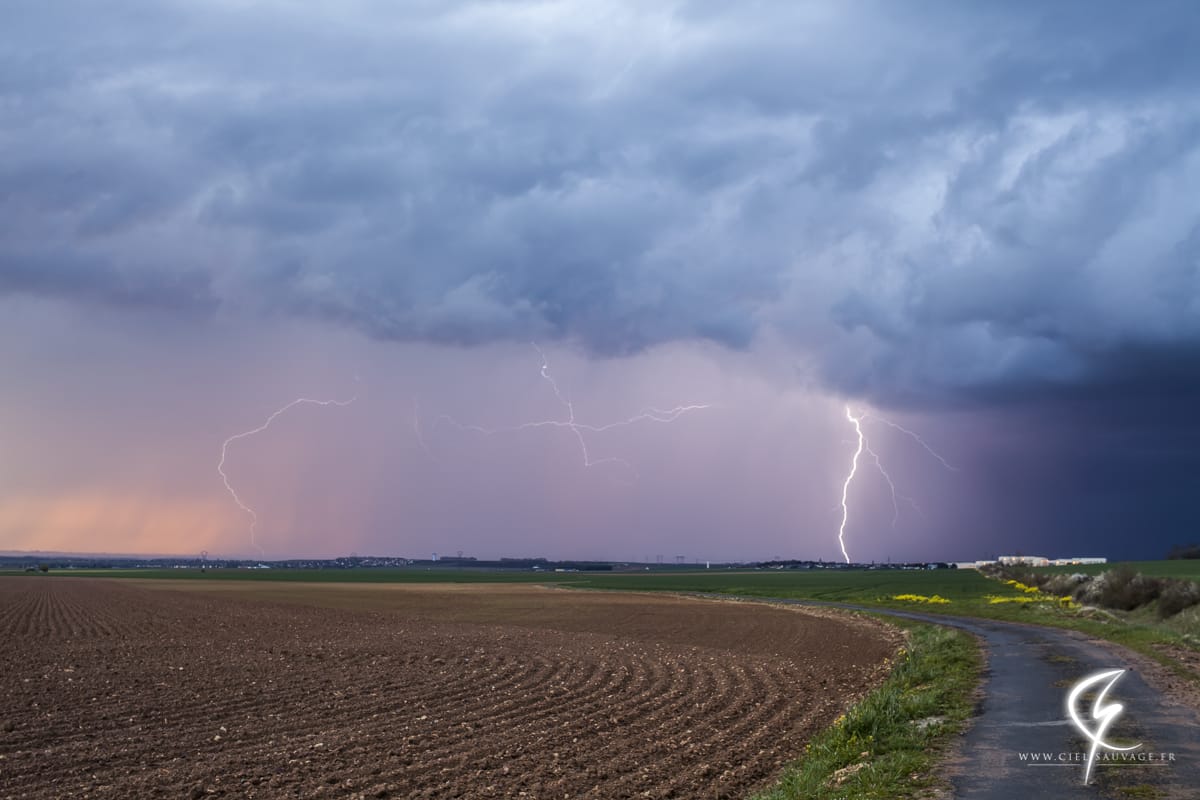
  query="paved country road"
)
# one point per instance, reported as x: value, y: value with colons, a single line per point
x: 1029, y: 671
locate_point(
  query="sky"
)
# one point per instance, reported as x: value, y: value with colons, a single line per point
x: 976, y: 221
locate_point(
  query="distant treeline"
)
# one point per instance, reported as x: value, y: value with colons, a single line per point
x: 1184, y: 551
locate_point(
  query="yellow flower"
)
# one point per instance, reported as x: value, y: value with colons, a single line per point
x: 920, y: 598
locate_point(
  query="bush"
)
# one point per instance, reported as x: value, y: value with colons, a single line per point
x: 1176, y: 596
x: 1060, y: 585
x: 1125, y: 589
x: 1088, y: 593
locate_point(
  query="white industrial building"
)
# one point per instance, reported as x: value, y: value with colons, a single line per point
x: 1031, y: 561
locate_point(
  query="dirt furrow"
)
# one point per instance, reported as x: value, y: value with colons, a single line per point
x: 248, y: 691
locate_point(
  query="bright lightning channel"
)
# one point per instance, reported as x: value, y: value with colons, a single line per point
x: 245, y: 434
x: 864, y: 446
x: 576, y: 427
x: 846, y: 486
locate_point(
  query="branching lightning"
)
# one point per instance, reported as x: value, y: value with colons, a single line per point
x: 864, y: 446
x: 896, y: 495
x: 915, y: 438
x: 245, y: 434
x: 576, y: 427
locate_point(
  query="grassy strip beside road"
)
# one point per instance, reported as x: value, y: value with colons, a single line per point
x: 889, y: 744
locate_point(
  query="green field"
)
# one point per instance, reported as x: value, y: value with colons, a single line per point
x: 966, y: 590
x: 848, y: 586
x: 859, y: 586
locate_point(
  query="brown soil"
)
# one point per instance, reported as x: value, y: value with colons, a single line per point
x: 1176, y: 688
x: 316, y: 691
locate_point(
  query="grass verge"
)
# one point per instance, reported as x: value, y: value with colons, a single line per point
x: 889, y: 744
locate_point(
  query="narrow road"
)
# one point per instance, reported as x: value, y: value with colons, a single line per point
x: 1028, y: 673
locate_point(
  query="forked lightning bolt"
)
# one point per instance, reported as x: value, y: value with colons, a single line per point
x: 244, y: 434
x: 573, y: 425
x: 864, y: 445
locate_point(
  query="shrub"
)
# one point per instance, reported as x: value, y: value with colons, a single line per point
x: 1176, y: 596
x: 1063, y: 584
x: 1089, y: 592
x: 1123, y: 588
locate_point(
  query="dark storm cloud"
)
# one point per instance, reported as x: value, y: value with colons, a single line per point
x: 938, y: 203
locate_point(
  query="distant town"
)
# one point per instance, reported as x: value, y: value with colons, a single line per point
x: 34, y: 562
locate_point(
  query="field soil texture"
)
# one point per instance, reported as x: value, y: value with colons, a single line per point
x: 263, y: 690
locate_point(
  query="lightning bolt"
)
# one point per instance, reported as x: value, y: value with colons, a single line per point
x: 576, y: 427
x: 846, y: 486
x: 245, y: 434
x: 865, y: 446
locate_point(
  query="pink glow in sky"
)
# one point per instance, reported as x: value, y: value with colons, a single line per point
x: 120, y: 442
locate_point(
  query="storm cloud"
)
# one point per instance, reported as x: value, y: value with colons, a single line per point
x: 922, y: 201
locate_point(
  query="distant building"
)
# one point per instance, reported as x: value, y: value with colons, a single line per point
x: 1029, y: 561
x: 1063, y: 562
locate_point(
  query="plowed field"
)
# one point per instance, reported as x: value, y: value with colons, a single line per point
x: 199, y: 689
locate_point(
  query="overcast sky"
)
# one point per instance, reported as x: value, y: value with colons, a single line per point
x: 978, y: 221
